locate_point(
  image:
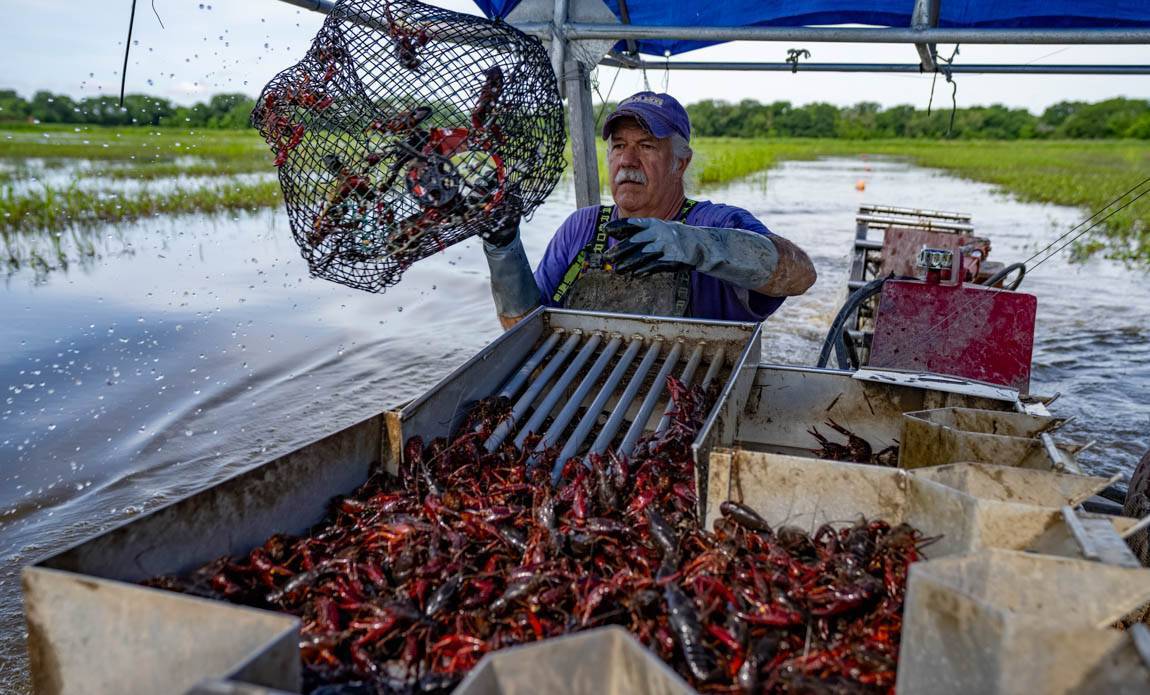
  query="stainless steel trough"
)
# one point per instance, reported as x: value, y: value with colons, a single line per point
x: 588, y: 382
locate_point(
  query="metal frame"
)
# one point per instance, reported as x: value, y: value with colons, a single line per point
x: 924, y: 34
x: 580, y: 31
x: 617, y: 61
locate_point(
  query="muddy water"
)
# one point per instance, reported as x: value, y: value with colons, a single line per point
x: 184, y: 350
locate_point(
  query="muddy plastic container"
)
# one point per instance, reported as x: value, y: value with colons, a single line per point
x: 969, y: 506
x: 950, y: 435
x: 1001, y: 621
x: 1124, y: 669
x: 786, y: 403
x: 604, y: 661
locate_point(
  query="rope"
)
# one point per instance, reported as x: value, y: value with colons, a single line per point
x: 610, y: 90
x: 953, y: 87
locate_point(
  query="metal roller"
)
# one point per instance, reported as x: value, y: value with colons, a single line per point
x: 531, y: 393
x: 569, y: 410
x: 652, y: 398
x: 520, y: 377
x: 588, y: 421
x: 558, y: 388
x: 713, y: 370
x: 608, y: 432
x: 685, y: 377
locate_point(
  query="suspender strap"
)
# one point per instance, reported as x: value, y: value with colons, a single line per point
x: 597, y: 246
x: 592, y: 254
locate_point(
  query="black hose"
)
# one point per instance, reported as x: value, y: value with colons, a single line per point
x: 834, y: 337
x: 1001, y: 275
x: 1113, y: 493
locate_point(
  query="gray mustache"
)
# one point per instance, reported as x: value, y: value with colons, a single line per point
x: 632, y: 175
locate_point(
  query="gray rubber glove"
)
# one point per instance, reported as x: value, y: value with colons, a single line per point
x: 512, y: 284
x: 648, y: 245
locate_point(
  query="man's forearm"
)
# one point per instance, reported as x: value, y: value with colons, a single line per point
x: 512, y: 284
x: 794, y: 273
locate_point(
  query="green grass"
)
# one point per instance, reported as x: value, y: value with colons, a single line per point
x: 139, y: 145
x: 1087, y: 174
x: 57, y: 209
x: 1081, y: 173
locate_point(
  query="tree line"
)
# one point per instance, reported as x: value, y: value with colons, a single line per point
x: 221, y: 111
x: 1112, y: 118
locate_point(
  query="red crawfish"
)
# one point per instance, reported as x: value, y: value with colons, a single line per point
x: 407, y: 44
x: 688, y: 633
x: 410, y: 580
x: 402, y: 121
x: 489, y: 93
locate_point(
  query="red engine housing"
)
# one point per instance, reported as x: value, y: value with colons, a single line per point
x: 962, y: 330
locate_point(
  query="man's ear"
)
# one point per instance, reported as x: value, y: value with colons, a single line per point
x: 685, y: 163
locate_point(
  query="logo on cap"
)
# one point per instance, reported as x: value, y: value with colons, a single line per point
x: 645, y: 98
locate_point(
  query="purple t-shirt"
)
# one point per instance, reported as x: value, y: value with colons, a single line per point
x: 711, y: 298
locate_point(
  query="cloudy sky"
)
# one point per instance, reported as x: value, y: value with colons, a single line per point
x: 76, y: 47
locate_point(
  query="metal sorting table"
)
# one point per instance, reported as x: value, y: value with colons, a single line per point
x: 584, y: 382
x: 91, y: 629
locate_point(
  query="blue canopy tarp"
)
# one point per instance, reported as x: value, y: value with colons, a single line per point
x: 981, y: 14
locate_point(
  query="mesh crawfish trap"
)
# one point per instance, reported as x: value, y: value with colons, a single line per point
x: 407, y: 129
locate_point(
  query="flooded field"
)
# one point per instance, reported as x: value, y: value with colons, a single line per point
x: 144, y: 361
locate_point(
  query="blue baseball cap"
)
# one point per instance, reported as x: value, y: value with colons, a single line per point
x: 660, y: 115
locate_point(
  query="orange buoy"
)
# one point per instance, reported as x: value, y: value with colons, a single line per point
x: 860, y: 185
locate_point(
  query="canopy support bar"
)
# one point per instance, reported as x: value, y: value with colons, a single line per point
x: 577, y: 31
x: 623, y: 32
x: 615, y: 61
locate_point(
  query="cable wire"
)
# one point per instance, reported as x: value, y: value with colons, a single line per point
x: 127, y: 51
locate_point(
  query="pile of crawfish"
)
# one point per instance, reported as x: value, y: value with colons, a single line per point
x: 411, y: 580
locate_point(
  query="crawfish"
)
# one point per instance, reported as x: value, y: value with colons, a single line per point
x: 294, y: 138
x: 856, y: 449
x: 442, y: 595
x: 744, y: 516
x: 688, y: 633
x: 663, y: 534
x: 488, y: 94
x: 514, y: 592
x: 759, y: 655
x: 402, y: 121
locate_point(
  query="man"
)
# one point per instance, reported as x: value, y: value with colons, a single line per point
x: 655, y: 251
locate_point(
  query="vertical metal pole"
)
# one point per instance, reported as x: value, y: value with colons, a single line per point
x: 581, y: 117
x: 925, y: 16
x: 559, y: 40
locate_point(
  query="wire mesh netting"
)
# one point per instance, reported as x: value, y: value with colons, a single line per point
x: 406, y: 129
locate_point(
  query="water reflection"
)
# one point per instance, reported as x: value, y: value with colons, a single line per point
x: 182, y: 350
